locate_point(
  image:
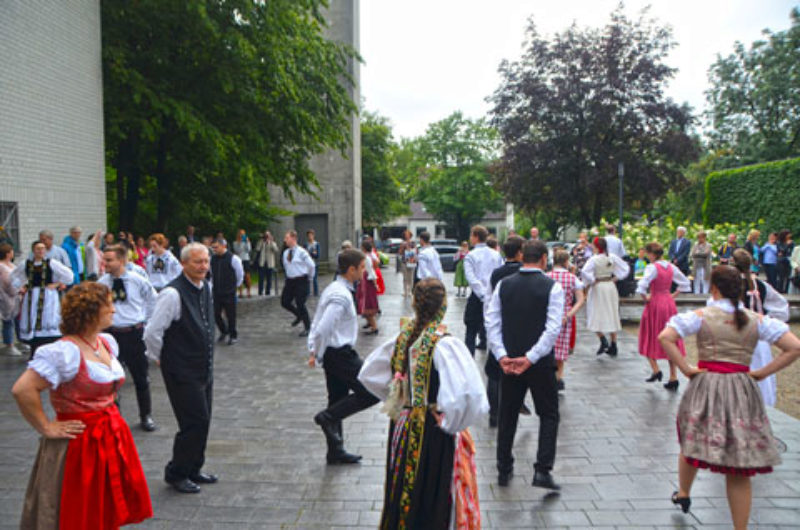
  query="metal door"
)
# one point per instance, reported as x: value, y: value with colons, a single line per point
x: 317, y: 222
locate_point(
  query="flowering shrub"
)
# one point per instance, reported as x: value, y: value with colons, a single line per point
x: 637, y: 235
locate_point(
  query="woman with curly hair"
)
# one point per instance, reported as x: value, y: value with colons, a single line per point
x: 87, y: 472
x: 432, y: 392
x: 722, y: 421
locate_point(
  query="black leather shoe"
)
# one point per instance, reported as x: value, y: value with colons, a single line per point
x: 329, y: 428
x: 296, y: 321
x: 504, y: 478
x: 343, y: 457
x: 654, y: 377
x: 148, y: 424
x: 222, y: 337
x: 560, y: 385
x: 684, y: 502
x: 232, y: 341
x: 543, y: 479
x: 303, y: 333
x: 524, y: 410
x: 612, y: 350
x: 481, y: 347
x: 671, y: 385
x: 204, y: 478
x: 185, y: 486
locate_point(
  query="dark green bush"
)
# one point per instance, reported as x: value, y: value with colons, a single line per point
x: 768, y: 191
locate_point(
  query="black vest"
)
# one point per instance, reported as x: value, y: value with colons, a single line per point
x: 189, y: 342
x: 223, y: 275
x: 524, y: 298
x: 508, y: 268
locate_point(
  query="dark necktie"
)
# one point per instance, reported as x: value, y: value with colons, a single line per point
x: 159, y: 265
x: 118, y: 290
x: 291, y: 254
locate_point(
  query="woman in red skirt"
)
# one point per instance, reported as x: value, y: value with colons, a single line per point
x: 659, y: 307
x: 367, y: 292
x: 87, y: 472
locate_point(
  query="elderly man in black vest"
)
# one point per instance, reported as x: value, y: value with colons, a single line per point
x: 523, y: 321
x: 180, y: 338
x: 227, y: 274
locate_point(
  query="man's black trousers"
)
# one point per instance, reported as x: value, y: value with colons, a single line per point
x: 190, y: 398
x: 346, y: 394
x: 540, y: 379
x: 132, y: 356
x: 294, y: 296
x: 226, y: 303
x: 473, y: 319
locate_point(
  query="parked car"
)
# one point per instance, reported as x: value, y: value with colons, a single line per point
x: 447, y: 253
x: 443, y: 243
x: 552, y: 245
x: 391, y: 245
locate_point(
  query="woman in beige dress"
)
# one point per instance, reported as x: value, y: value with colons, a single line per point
x: 600, y: 275
x: 701, y: 264
x: 722, y: 420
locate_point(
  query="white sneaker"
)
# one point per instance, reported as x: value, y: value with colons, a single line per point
x: 11, y: 351
x: 24, y: 348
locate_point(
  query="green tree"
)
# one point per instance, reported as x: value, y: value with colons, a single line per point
x: 381, y: 194
x: 455, y: 184
x: 755, y: 97
x: 207, y: 102
x: 573, y: 107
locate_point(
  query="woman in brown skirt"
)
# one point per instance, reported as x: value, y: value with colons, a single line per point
x: 722, y: 420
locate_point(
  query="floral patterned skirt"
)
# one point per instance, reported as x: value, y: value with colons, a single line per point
x: 723, y: 425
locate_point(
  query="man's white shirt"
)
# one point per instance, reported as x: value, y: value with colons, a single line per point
x: 139, y: 303
x: 335, y: 323
x: 428, y: 264
x: 301, y: 264
x: 478, y: 267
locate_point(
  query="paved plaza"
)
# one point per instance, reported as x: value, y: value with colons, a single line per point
x: 617, y: 450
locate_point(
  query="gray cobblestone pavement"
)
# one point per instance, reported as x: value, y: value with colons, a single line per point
x: 617, y: 450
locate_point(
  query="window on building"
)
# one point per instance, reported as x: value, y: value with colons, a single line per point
x: 421, y: 229
x: 9, y: 224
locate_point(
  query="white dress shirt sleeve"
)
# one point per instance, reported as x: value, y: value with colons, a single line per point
x: 167, y: 311
x: 494, y: 323
x: 680, y: 279
x: 149, y: 297
x: 376, y: 372
x: 438, y: 272
x: 62, y: 273
x: 174, y: 265
x: 650, y: 274
x: 769, y: 329
x: 471, y: 272
x: 310, y: 265
x: 555, y: 313
x: 462, y: 396
x: 323, y: 327
x: 775, y: 305
x: 18, y: 277
x: 621, y: 267
x: 587, y: 272
x: 236, y: 263
x: 686, y: 324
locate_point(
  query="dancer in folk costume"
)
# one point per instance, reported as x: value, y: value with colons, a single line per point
x: 40, y: 279
x: 602, y: 301
x: 571, y: 286
x: 87, y: 472
x: 722, y: 422
x: 760, y: 297
x: 460, y: 280
x: 659, y: 307
x: 433, y: 392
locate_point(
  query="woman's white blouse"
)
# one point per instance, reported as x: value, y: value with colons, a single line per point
x: 58, y: 363
x: 651, y: 273
x: 461, y: 398
x: 689, y: 323
x: 621, y: 268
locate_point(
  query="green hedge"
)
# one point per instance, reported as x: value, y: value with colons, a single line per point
x: 768, y: 191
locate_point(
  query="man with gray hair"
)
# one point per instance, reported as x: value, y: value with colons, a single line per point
x: 180, y: 338
x: 52, y: 251
x: 679, y: 250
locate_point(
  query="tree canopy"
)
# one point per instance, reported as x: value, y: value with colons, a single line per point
x: 381, y: 194
x: 207, y: 102
x: 754, y: 97
x: 575, y: 106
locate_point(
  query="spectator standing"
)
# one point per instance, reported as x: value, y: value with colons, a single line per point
x: 9, y: 299
x: 267, y: 252
x: 581, y: 252
x: 53, y: 251
x: 701, y: 264
x: 640, y: 264
x: 94, y: 258
x: 108, y: 239
x: 190, y: 237
x: 615, y: 246
x: 679, y: 251
x: 313, y: 249
x: 726, y: 250
x: 785, y: 249
x: 242, y: 248
x: 227, y: 274
x: 751, y: 246
x: 74, y: 248
x: 534, y: 234
x: 794, y: 280
x: 408, y: 255
x: 769, y: 259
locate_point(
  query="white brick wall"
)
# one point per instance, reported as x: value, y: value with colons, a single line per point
x: 51, y: 115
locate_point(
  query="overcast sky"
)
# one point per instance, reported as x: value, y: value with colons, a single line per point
x: 427, y: 58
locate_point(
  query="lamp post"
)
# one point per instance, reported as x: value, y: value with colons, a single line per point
x: 621, y: 174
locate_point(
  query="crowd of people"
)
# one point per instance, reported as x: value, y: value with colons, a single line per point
x: 88, y: 311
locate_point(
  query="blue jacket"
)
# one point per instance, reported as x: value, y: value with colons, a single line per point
x: 75, y: 252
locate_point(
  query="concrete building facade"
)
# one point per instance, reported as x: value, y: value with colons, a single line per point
x: 52, y: 171
x: 336, y: 214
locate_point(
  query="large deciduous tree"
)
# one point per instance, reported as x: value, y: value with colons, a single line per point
x: 207, y: 102
x: 574, y: 107
x: 381, y: 194
x: 754, y: 97
x: 455, y: 185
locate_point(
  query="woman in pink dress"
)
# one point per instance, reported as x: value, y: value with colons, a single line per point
x: 659, y: 307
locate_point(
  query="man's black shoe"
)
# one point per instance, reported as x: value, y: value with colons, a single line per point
x: 543, y: 479
x: 148, y: 424
x: 303, y: 333
x: 204, y: 478
x: 296, y: 321
x: 481, y: 347
x: 329, y: 428
x: 504, y: 478
x: 343, y: 457
x: 232, y: 341
x: 222, y: 337
x: 612, y: 350
x: 524, y: 410
x: 560, y: 385
x: 185, y: 486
